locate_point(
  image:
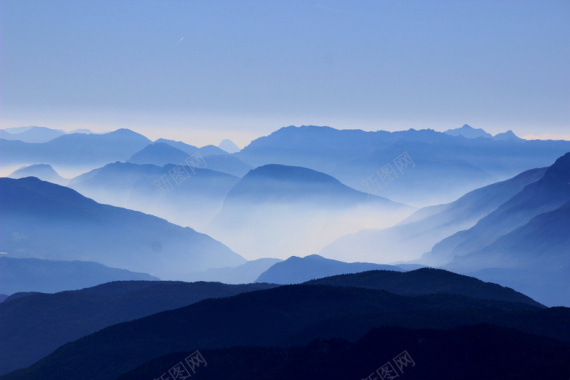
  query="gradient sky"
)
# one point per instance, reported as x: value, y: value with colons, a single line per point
x: 201, y: 71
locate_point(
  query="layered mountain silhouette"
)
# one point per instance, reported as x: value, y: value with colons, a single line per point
x: 427, y: 226
x: 43, y: 220
x: 184, y: 195
x: 77, y: 149
x: 285, y: 316
x: 296, y: 270
x: 546, y: 194
x: 445, y: 167
x: 70, y: 315
x: 44, y: 172
x: 48, y: 276
x: 276, y: 210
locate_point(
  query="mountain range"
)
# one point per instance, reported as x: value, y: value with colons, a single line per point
x: 438, y: 167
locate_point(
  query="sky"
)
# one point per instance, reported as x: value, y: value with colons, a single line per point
x: 202, y: 71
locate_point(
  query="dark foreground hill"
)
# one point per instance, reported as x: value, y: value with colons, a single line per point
x: 287, y: 316
x: 460, y: 353
x: 426, y: 281
x: 34, y: 325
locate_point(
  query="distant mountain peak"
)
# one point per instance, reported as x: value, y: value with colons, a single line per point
x: 229, y: 146
x: 468, y: 132
x: 507, y: 136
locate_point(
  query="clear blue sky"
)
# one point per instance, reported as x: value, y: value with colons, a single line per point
x: 204, y: 70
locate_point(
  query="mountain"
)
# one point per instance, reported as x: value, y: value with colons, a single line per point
x: 242, y: 274
x: 182, y: 195
x: 546, y: 194
x: 229, y: 146
x: 296, y: 270
x: 534, y: 258
x: 44, y: 172
x: 417, y: 167
x: 469, y: 132
x: 284, y: 316
x: 158, y: 154
x: 426, y: 281
x: 423, y: 229
x: 36, y: 275
x: 188, y: 149
x: 31, y: 134
x: 507, y: 136
x: 277, y: 209
x: 164, y: 152
x: 422, y: 354
x: 212, y: 150
x: 43, y: 220
x: 75, y: 150
x: 3, y: 297
x: 70, y: 315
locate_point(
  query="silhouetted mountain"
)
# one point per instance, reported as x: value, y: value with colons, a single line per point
x: 31, y: 134
x: 75, y: 149
x: 189, y: 197
x: 469, y: 132
x: 544, y: 195
x: 3, y: 297
x: 438, y: 167
x: 460, y: 353
x: 296, y: 314
x: 429, y: 225
x: 43, y: 220
x: 70, y: 315
x: 27, y: 275
x: 276, y: 210
x: 158, y: 154
x: 296, y: 270
x: 426, y: 281
x: 44, y: 172
x: 242, y: 274
x: 229, y: 146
